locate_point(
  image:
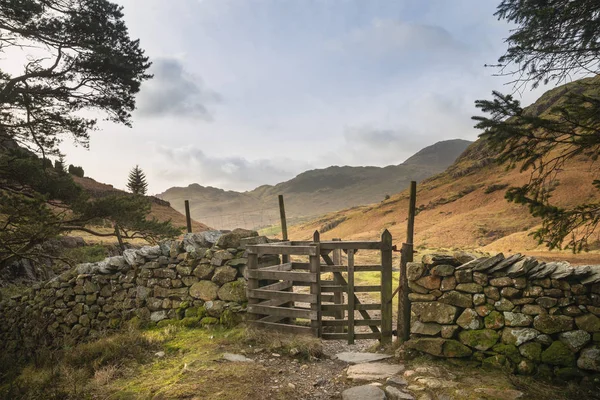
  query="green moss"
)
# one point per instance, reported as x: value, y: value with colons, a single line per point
x: 209, y: 321
x: 229, y: 319
x: 568, y: 374
x: 558, y: 354
x: 510, y: 351
x: 453, y: 348
x: 190, y: 322
x: 496, y: 361
x: 166, y: 322
x: 481, y: 339
x: 199, y: 312
x: 531, y: 350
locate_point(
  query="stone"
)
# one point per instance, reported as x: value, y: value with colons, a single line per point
x: 448, y: 283
x: 433, y: 346
x: 551, y: 324
x: 484, y: 310
x: 236, y: 358
x: 359, y: 358
x: 575, y: 340
x: 427, y: 328
x: 204, y: 290
x: 556, y: 293
x: 204, y: 271
x: 132, y: 257
x: 492, y: 292
x: 558, y: 354
x: 396, y: 380
x: 214, y: 308
x: 233, y: 291
x: 437, y: 259
x: 150, y: 252
x: 373, y: 371
x: 249, y: 241
x: 531, y: 309
x: 220, y: 257
x: 546, y: 302
x: 434, y: 312
x: 480, y: 278
x: 157, y: 316
x: 478, y: 299
x: 501, y: 282
x: 589, y: 359
x: 504, y: 305
x: 429, y: 282
x: 464, y: 276
x: 237, y: 262
x: 531, y: 351
x: 394, y: 393
x: 469, y: 288
x: 481, y: 340
x: 494, y: 320
x: 526, y: 367
x: 414, y: 270
x: 510, y: 292
x: 416, y: 288
x: 517, y: 319
x: 522, y: 267
x: 507, y: 262
x: 204, y: 239
x: 442, y: 270
x: 463, y: 257
x: 223, y: 275
x: 588, y: 322
x: 456, y: 299
x: 510, y: 351
x: 366, y: 392
x: 233, y: 238
x: 469, y: 319
x: 518, y: 336
x: 421, y: 297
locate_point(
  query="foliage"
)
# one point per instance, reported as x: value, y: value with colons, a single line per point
x: 553, y: 41
x: 76, y: 56
x: 137, y: 181
x: 77, y: 171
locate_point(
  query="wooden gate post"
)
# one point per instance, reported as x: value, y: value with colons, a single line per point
x: 351, y: 302
x: 252, y: 282
x: 403, y: 325
x: 386, y: 288
x: 338, y: 297
x: 315, y: 287
x: 188, y: 217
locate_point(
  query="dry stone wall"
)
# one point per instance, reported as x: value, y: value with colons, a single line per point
x: 518, y: 313
x: 196, y: 281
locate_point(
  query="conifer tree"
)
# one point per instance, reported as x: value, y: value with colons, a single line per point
x: 137, y: 181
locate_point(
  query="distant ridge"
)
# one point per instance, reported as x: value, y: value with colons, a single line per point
x: 312, y: 192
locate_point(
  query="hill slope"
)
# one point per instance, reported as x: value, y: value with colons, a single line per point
x: 313, y: 192
x: 463, y: 207
x: 161, y: 210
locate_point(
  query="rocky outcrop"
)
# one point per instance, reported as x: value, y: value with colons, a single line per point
x: 514, y: 312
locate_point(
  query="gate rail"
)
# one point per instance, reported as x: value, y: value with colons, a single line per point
x: 273, y: 303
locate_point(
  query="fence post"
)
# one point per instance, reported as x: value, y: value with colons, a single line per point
x: 315, y: 287
x: 403, y: 324
x: 351, y: 302
x: 284, y: 233
x: 188, y: 218
x: 386, y: 288
x: 338, y: 297
x: 251, y: 265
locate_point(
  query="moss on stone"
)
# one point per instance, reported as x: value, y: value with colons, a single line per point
x: 481, y: 339
x: 531, y: 351
x: 510, y: 351
x: 209, y: 321
x: 229, y: 319
x: 190, y: 322
x: 166, y: 322
x: 558, y: 354
x: 453, y: 348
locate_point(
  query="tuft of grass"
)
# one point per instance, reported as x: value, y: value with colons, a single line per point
x: 299, y: 346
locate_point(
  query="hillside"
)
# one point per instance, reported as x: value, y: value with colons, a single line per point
x: 463, y: 207
x: 161, y: 210
x: 313, y: 192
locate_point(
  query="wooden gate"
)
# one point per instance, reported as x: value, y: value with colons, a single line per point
x: 293, y: 297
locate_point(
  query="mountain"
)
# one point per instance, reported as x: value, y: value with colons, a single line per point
x: 313, y: 192
x: 161, y: 209
x: 464, y: 207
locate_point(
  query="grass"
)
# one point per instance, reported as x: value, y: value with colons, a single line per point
x: 125, y: 366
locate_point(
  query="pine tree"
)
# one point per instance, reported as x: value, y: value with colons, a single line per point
x: 137, y: 181
x: 553, y: 41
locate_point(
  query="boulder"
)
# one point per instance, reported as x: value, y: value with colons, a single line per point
x: 428, y: 328
x: 204, y: 271
x: 494, y: 320
x: 456, y: 299
x: 442, y: 270
x: 224, y: 274
x: 434, y: 312
x: 558, y: 354
x: 233, y: 291
x: 551, y: 324
x: 588, y: 322
x: 150, y: 252
x: 204, y: 239
x: 204, y: 290
x: 575, y: 340
x: 589, y: 359
x: 414, y: 270
x: 233, y: 238
x: 469, y: 319
x: 220, y: 257
x: 482, y: 339
x: 365, y: 392
x: 373, y: 371
x: 518, y: 336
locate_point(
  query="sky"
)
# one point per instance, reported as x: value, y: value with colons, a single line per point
x: 252, y: 92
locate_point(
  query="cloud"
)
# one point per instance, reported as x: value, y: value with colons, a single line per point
x: 175, y: 92
x: 191, y: 164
